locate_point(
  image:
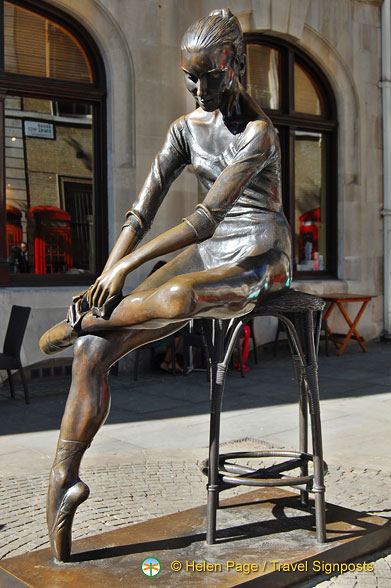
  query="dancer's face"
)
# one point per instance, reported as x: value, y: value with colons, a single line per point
x: 211, y: 75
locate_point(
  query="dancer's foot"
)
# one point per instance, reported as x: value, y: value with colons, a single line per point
x: 57, y: 338
x: 61, y: 508
x: 66, y: 492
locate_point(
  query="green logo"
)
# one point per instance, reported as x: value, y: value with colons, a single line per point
x: 150, y: 566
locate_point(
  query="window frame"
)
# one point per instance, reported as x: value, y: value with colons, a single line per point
x: 58, y: 90
x: 287, y: 120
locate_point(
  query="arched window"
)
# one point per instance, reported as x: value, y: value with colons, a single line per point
x: 298, y: 98
x: 53, y: 147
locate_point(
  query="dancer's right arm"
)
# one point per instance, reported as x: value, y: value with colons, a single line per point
x: 126, y: 242
x: 166, y: 167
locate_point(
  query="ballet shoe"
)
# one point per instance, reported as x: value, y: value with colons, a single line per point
x: 58, y: 338
x: 60, y: 522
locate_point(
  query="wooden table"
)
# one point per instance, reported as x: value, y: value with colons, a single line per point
x: 339, y: 300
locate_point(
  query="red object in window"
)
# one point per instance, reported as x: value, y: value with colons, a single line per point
x: 13, y: 228
x: 309, y: 232
x: 52, y: 239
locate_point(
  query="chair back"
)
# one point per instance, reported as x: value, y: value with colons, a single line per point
x: 16, y: 329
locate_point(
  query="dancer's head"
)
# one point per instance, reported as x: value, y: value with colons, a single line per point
x: 213, y: 58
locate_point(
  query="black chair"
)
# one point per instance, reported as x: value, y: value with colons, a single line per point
x: 10, y: 358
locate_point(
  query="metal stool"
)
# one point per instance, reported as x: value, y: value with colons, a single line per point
x: 303, y: 336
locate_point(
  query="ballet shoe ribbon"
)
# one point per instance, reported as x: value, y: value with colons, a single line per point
x: 80, y: 307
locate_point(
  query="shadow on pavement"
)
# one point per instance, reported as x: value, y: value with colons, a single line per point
x: 159, y: 395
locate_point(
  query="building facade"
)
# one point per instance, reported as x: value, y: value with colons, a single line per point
x: 88, y: 90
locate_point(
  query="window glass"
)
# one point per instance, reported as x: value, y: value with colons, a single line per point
x: 34, y: 45
x: 303, y: 109
x: 71, y: 109
x: 262, y: 75
x: 306, y: 93
x: 310, y: 201
x: 49, y: 189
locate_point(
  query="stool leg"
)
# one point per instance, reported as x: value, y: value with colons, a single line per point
x: 303, y: 428
x: 303, y: 438
x: 11, y: 383
x: 217, y: 380
x: 317, y: 450
x: 298, y: 361
x: 303, y: 417
x: 24, y: 382
x: 213, y: 471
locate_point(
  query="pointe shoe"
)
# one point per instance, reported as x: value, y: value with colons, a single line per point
x: 57, y: 338
x: 66, y: 492
x: 60, y: 531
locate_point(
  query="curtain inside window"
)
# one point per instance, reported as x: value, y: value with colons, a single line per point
x: 263, y: 75
x: 34, y: 45
x: 307, y: 95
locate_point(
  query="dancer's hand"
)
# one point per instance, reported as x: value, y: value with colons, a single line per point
x: 108, y: 286
x: 78, y: 308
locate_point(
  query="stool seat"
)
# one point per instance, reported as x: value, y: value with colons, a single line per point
x: 289, y: 301
x: 301, y: 315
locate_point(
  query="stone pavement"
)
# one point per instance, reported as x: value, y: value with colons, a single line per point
x: 144, y: 461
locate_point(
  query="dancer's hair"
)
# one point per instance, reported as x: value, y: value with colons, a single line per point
x: 220, y: 27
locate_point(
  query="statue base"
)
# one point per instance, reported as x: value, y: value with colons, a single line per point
x: 264, y: 538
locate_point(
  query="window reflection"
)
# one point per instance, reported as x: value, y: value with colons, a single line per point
x: 262, y: 75
x: 306, y: 93
x: 310, y: 199
x: 49, y: 195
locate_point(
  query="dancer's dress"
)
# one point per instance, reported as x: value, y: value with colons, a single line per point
x: 241, y: 216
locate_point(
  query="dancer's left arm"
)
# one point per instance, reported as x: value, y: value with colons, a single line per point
x: 201, y: 224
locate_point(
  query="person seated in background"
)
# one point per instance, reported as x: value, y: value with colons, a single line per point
x: 17, y: 260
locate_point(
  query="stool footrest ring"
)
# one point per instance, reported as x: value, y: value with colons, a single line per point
x: 234, y: 474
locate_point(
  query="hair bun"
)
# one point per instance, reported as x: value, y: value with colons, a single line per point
x: 222, y: 12
x: 220, y: 27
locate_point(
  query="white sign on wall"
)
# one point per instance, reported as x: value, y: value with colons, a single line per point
x: 41, y: 130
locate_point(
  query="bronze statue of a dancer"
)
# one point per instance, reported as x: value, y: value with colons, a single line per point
x: 238, y: 249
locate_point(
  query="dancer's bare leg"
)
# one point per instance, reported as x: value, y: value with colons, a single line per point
x: 86, y: 410
x: 222, y: 292
x: 144, y: 316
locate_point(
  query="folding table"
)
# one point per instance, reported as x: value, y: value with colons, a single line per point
x: 339, y: 300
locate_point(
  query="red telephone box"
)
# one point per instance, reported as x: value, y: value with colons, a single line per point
x: 309, y: 231
x: 13, y: 227
x: 51, y: 231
